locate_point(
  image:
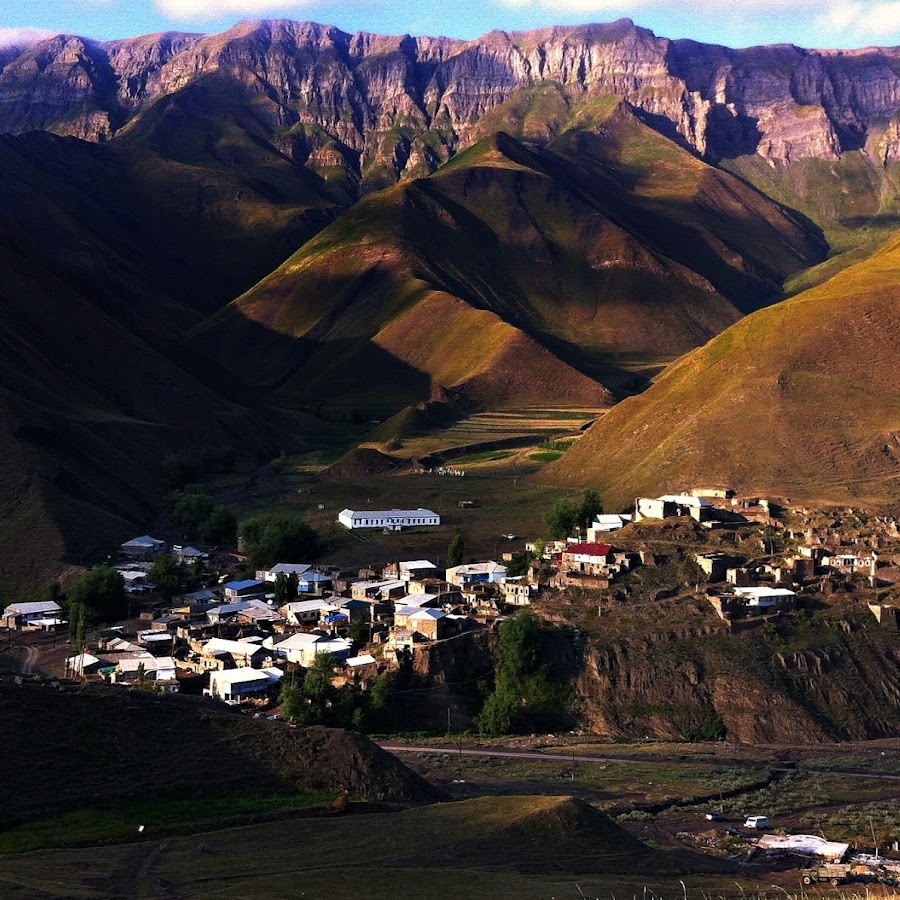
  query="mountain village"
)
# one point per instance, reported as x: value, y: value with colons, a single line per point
x: 236, y: 633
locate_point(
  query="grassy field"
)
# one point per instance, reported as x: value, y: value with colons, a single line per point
x: 506, y: 504
x: 120, y: 822
x: 507, y: 848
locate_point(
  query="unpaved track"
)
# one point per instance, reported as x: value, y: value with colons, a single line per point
x: 568, y: 757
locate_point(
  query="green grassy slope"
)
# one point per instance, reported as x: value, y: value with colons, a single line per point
x: 801, y: 399
x: 467, y: 281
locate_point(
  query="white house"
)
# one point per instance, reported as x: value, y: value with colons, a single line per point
x: 477, y: 573
x: 392, y: 519
x: 243, y: 653
x: 670, y: 505
x: 236, y: 685
x: 354, y: 662
x: 304, y: 612
x: 297, y: 569
x: 766, y: 597
x: 416, y: 568
x: 606, y: 522
x: 303, y: 648
x: 29, y: 615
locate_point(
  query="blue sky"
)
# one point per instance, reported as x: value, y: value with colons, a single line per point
x: 819, y: 23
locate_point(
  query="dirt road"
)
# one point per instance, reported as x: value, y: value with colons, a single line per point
x: 564, y: 757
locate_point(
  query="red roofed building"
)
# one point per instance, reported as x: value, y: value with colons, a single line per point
x: 585, y: 559
x: 580, y: 556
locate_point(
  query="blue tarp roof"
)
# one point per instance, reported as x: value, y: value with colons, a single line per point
x: 335, y: 617
x: 240, y: 585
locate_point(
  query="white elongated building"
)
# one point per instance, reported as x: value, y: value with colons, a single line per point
x: 392, y: 519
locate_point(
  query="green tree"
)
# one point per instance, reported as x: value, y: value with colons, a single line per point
x: 590, y: 508
x: 540, y: 547
x: 293, y: 702
x: 280, y: 589
x: 180, y: 469
x: 562, y: 519
x: 52, y: 592
x: 519, y: 565
x: 499, y: 712
x: 456, y: 551
x: 525, y: 691
x: 358, y: 632
x: 285, y: 588
x: 77, y: 628
x: 219, y: 528
x: 313, y: 701
x: 100, y: 592
x: 270, y: 539
x: 189, y: 509
x: 169, y: 575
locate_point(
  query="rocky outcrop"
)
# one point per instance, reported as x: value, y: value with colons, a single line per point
x: 702, y: 683
x: 404, y: 105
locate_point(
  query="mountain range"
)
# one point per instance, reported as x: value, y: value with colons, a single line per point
x: 241, y: 238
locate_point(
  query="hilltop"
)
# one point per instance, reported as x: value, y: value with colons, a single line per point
x: 801, y: 400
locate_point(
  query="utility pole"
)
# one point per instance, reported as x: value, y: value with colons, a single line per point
x: 573, y: 764
x: 448, y: 723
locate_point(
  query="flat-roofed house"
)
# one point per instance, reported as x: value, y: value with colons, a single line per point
x: 476, y: 573
x: 391, y: 519
x: 237, y: 685
x: 429, y: 623
x: 306, y: 612
x: 250, y: 587
x: 219, y: 653
x: 297, y: 569
x: 144, y: 547
x: 28, y: 615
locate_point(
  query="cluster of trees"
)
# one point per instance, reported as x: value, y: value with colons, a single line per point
x: 566, y: 516
x: 98, y: 594
x: 182, y: 469
x: 272, y: 538
x: 311, y: 699
x: 526, y: 696
x: 198, y: 518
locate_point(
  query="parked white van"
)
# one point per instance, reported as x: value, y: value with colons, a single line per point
x: 757, y: 822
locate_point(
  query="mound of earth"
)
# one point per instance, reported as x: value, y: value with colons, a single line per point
x: 363, y: 462
x: 95, y: 744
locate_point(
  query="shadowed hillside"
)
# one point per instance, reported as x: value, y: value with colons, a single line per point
x: 105, y: 743
x: 517, y: 275
x: 800, y: 400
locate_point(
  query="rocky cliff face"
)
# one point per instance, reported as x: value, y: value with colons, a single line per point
x: 700, y: 683
x: 403, y: 105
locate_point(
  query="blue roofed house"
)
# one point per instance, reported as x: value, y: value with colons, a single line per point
x: 248, y: 588
x: 477, y: 573
x: 143, y: 547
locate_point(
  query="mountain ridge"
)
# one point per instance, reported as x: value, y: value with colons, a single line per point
x: 390, y: 99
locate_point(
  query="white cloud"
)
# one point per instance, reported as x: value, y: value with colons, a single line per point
x: 737, y: 7
x: 215, y: 9
x: 22, y: 37
x: 868, y: 20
